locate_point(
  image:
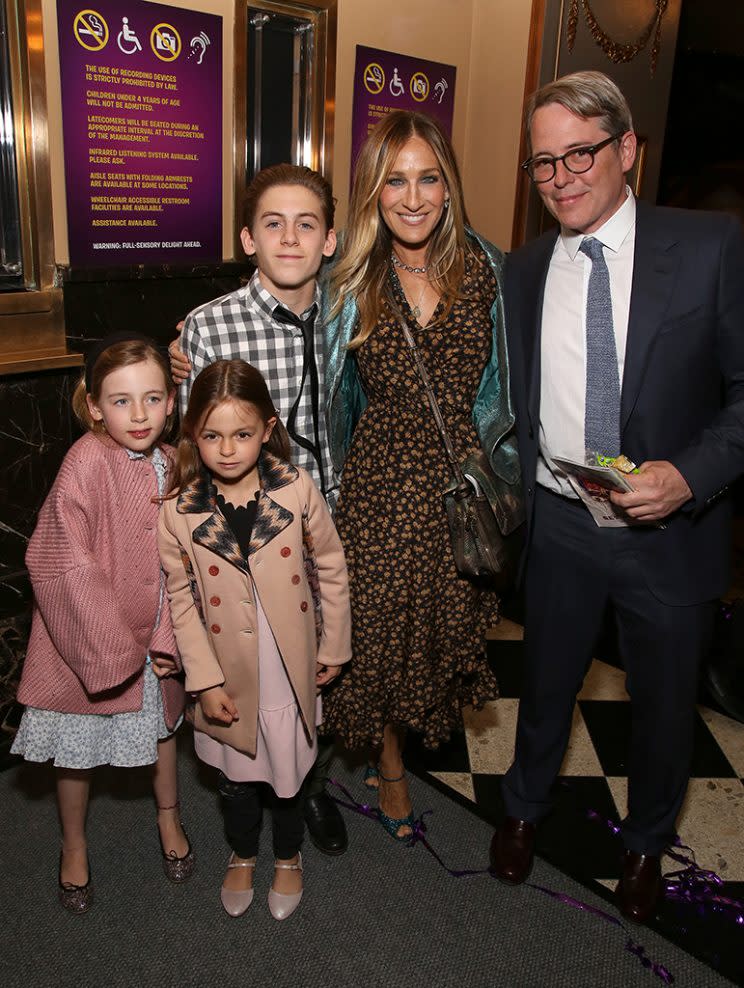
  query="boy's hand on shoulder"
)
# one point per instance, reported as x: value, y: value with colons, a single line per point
x: 217, y: 705
x: 180, y: 366
x: 325, y: 674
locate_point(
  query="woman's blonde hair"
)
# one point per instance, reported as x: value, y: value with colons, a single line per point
x: 362, y: 271
x: 224, y: 380
x: 119, y: 354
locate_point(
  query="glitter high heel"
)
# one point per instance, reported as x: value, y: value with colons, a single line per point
x: 371, y: 776
x: 390, y: 823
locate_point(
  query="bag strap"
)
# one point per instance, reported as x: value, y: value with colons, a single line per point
x: 433, y: 403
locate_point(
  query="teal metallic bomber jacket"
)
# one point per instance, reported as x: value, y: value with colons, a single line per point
x: 493, y: 414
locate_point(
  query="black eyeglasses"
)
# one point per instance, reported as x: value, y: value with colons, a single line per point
x: 577, y: 160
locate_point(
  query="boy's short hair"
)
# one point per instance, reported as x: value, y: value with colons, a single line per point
x: 274, y: 175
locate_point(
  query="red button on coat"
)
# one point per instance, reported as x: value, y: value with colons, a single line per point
x: 215, y: 601
x: 216, y: 629
x: 303, y: 605
x: 286, y: 551
x: 214, y: 570
x: 296, y: 579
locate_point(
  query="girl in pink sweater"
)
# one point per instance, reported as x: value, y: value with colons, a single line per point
x: 98, y: 679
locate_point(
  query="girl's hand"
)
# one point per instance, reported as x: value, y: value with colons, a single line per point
x: 163, y: 665
x: 325, y: 674
x: 179, y: 363
x: 217, y: 705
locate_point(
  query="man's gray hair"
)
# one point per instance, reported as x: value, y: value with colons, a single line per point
x: 587, y: 94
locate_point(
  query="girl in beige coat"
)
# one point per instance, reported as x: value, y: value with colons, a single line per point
x: 260, y: 607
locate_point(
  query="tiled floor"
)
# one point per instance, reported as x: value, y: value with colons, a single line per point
x: 593, y: 778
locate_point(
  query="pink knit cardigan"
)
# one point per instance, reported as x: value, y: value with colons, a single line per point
x: 95, y: 570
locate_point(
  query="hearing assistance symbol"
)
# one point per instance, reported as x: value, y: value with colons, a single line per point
x: 441, y: 88
x: 165, y: 41
x: 198, y: 45
x: 90, y: 30
x: 127, y: 39
x: 374, y: 78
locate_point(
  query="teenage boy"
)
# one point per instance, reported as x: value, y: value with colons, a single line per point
x: 287, y: 231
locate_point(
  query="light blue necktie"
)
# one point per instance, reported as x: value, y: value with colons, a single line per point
x: 602, y: 415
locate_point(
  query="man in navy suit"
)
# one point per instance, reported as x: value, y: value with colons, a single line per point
x: 626, y: 335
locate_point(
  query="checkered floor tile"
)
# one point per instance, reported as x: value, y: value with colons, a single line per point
x: 593, y: 777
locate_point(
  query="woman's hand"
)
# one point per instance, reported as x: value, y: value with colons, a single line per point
x: 180, y: 367
x: 325, y: 674
x: 217, y: 705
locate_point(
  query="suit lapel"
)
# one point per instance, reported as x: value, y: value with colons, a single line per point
x: 534, y: 295
x: 655, y: 264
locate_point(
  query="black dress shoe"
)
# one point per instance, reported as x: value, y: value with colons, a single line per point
x: 325, y: 824
x: 513, y: 851
x: 640, y: 888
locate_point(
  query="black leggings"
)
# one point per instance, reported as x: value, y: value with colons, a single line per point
x: 242, y: 812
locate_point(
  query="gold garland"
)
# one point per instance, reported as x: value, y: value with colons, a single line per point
x: 616, y: 51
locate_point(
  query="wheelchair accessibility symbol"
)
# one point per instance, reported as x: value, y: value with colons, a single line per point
x: 90, y: 30
x: 127, y: 39
x: 165, y: 41
x: 396, y: 84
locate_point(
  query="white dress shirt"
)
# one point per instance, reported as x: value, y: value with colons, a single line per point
x: 563, y: 337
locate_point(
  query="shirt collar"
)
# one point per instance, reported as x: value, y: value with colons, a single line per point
x: 265, y: 303
x: 154, y: 454
x: 611, y: 234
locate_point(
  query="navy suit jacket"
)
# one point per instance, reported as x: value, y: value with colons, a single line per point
x: 683, y: 383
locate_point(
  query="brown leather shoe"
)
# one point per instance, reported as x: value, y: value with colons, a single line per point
x: 513, y: 851
x: 640, y: 888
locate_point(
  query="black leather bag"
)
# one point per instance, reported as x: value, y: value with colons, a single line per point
x: 485, y: 515
x: 484, y: 512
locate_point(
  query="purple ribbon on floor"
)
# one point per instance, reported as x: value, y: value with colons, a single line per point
x: 418, y: 836
x: 691, y: 885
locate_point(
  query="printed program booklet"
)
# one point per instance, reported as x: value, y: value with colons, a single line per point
x: 593, y: 485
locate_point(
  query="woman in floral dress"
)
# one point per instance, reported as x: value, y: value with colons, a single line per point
x: 418, y: 627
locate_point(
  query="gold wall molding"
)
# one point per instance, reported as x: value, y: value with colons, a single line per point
x: 617, y: 51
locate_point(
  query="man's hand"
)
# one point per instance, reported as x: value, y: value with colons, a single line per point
x: 659, y: 489
x: 179, y: 363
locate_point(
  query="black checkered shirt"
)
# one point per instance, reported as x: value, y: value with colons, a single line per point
x: 242, y: 325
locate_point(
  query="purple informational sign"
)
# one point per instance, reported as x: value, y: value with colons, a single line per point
x: 142, y: 124
x: 384, y: 81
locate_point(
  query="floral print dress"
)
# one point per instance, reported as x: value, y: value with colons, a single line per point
x: 418, y: 628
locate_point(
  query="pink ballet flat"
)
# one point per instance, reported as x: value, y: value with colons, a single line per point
x: 235, y: 902
x: 282, y: 906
